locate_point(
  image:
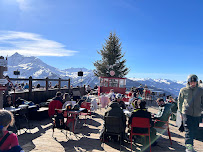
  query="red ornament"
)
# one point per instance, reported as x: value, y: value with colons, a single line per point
x: 112, y: 73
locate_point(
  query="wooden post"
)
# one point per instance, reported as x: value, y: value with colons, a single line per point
x: 1, y: 91
x: 69, y: 91
x: 30, y: 88
x: 59, y: 84
x: 1, y: 77
x: 47, y: 83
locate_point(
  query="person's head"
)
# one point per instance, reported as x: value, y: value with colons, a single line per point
x: 66, y: 97
x: 111, y: 90
x: 119, y: 97
x: 141, y: 104
x: 160, y: 101
x: 192, y: 80
x: 130, y: 94
x: 58, y: 94
x: 8, y: 98
x: 7, y: 119
x: 170, y: 98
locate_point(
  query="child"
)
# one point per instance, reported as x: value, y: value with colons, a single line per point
x: 9, y: 144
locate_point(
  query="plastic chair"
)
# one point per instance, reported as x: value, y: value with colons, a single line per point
x: 70, y: 118
x: 113, y: 126
x: 165, y: 126
x: 86, y: 105
x: 139, y: 122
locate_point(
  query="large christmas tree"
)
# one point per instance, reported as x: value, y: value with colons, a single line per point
x: 112, y: 64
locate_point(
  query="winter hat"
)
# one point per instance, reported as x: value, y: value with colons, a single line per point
x: 192, y: 78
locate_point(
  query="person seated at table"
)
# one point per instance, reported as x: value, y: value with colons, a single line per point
x: 10, y: 140
x: 19, y: 101
x: 131, y: 105
x: 26, y: 86
x: 119, y: 99
x: 114, y: 109
x: 76, y: 94
x: 56, y: 103
x: 163, y: 113
x: 142, y: 112
x: 67, y: 100
x: 19, y: 88
x: 88, y: 89
x: 38, y: 85
x: 8, y: 102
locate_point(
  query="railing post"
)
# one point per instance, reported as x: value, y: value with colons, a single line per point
x: 30, y: 88
x: 69, y: 91
x: 47, y: 83
x: 1, y: 91
x: 59, y: 83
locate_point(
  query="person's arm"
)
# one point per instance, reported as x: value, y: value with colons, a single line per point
x: 202, y: 101
x: 180, y: 101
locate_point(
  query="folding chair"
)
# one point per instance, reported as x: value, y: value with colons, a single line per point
x: 86, y: 105
x: 22, y: 116
x: 113, y: 126
x: 165, y: 126
x: 139, y: 122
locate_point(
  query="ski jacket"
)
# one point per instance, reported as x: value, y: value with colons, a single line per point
x: 190, y: 101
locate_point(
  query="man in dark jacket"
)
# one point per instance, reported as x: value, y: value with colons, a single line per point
x: 190, y: 105
x: 142, y: 112
x: 163, y: 113
x: 114, y: 109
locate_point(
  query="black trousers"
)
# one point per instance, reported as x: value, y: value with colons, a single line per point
x: 191, y: 125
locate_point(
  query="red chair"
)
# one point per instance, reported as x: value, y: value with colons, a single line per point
x: 70, y: 118
x: 139, y: 122
x: 86, y: 105
x: 165, y: 126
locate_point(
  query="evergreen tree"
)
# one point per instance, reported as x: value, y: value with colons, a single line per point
x: 111, y: 59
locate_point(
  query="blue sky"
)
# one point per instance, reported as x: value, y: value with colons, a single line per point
x: 160, y: 38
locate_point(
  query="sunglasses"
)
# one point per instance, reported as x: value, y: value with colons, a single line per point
x: 192, y: 79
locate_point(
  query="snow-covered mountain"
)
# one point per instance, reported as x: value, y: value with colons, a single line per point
x: 163, y: 84
x: 33, y: 66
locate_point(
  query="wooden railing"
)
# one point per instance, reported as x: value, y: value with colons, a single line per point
x: 39, y: 95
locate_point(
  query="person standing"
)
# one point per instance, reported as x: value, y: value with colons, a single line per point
x: 190, y: 105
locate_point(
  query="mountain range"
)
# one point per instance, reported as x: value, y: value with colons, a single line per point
x: 33, y: 66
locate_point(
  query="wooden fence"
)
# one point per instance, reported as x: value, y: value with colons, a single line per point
x: 40, y: 95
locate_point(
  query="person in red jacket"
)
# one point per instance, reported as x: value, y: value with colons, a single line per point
x: 56, y: 103
x: 8, y: 141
